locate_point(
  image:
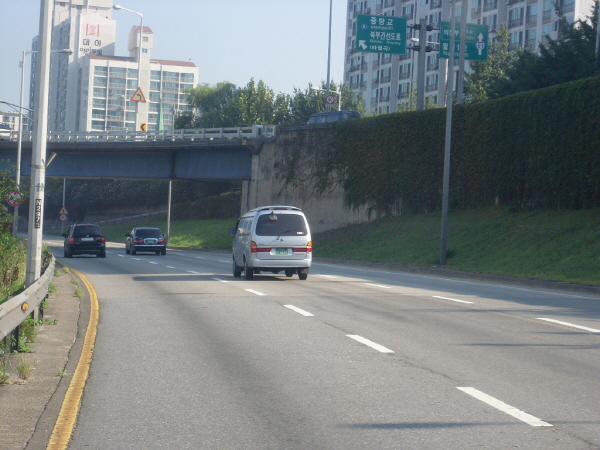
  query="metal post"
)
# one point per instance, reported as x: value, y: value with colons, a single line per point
x: 38, y: 156
x: 421, y: 64
x: 461, y: 57
x: 63, y: 203
x: 329, y: 55
x: 447, y: 148
x: 169, y: 212
x: 19, y: 142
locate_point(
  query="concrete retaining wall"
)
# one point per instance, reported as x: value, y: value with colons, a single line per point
x: 324, y: 212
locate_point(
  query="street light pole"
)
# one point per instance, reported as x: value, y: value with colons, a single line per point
x: 137, y: 106
x: 329, y: 52
x: 20, y: 140
x: 20, y: 134
x: 38, y: 156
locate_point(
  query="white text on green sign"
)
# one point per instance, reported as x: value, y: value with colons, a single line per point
x: 381, y: 34
x: 476, y: 41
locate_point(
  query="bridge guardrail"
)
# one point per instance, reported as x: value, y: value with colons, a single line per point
x: 13, y: 311
x: 254, y: 131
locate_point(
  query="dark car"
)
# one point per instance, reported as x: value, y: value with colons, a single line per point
x: 331, y: 117
x: 145, y: 239
x: 84, y: 239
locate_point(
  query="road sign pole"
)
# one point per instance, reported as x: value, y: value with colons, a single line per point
x: 447, y: 147
x: 461, y: 53
x: 421, y: 64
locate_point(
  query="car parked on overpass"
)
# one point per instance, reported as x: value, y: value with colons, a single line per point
x: 145, y: 239
x: 84, y: 239
x: 332, y: 117
x: 5, y: 131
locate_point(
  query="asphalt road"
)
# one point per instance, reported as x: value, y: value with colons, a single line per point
x: 188, y: 357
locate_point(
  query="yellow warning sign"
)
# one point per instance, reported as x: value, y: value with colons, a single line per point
x: 63, y: 210
x: 138, y: 96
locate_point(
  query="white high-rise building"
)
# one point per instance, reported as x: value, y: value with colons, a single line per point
x: 92, y: 89
x: 386, y: 80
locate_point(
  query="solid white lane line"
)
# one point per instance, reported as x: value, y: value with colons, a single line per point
x: 510, y: 410
x: 567, y: 324
x: 222, y: 281
x: 299, y: 311
x: 379, y: 285
x: 362, y: 340
x: 255, y: 292
x: 452, y: 299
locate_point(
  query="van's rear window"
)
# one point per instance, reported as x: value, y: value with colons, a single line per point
x: 285, y: 225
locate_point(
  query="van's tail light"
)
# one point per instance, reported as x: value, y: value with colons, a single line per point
x: 71, y: 240
x: 102, y: 240
x: 161, y: 241
x: 307, y: 249
x: 255, y: 249
x: 139, y: 241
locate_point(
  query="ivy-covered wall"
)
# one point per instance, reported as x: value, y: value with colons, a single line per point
x: 535, y: 149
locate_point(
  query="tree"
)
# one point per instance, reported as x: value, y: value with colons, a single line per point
x: 213, y: 106
x: 7, y: 184
x: 488, y: 78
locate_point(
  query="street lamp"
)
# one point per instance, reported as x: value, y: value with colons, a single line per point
x: 65, y: 51
x: 137, y: 112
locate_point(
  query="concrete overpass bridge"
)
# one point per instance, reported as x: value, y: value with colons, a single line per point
x: 210, y: 154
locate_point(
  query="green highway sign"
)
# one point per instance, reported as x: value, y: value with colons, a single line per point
x: 381, y: 34
x: 476, y: 43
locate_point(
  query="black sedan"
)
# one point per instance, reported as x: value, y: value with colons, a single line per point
x: 84, y: 239
x: 145, y: 239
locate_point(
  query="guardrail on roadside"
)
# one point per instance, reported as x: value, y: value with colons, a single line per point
x: 254, y: 131
x: 117, y: 221
x: 15, y: 310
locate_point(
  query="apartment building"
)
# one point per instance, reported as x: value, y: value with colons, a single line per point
x: 92, y: 88
x: 386, y: 81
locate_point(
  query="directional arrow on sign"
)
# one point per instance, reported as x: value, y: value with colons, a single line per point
x: 362, y: 45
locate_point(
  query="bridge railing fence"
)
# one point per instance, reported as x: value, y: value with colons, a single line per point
x: 254, y: 131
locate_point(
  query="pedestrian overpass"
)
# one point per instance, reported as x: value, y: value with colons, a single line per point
x: 210, y: 154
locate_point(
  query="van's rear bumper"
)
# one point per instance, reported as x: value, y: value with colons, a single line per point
x: 268, y: 264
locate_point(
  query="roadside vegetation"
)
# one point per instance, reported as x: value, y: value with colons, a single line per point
x: 541, y: 244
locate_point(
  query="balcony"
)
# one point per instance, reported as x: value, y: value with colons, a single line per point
x: 531, y: 19
x: 515, y: 22
x: 490, y: 6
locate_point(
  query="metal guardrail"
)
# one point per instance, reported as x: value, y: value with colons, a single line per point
x: 15, y: 310
x: 117, y: 221
x: 254, y: 131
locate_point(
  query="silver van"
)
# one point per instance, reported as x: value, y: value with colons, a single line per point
x: 272, y: 239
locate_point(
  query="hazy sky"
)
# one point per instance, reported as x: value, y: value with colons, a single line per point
x: 282, y: 42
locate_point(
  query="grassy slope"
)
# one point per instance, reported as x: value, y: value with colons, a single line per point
x: 554, y: 245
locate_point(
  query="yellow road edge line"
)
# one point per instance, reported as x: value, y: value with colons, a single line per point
x: 65, y: 423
